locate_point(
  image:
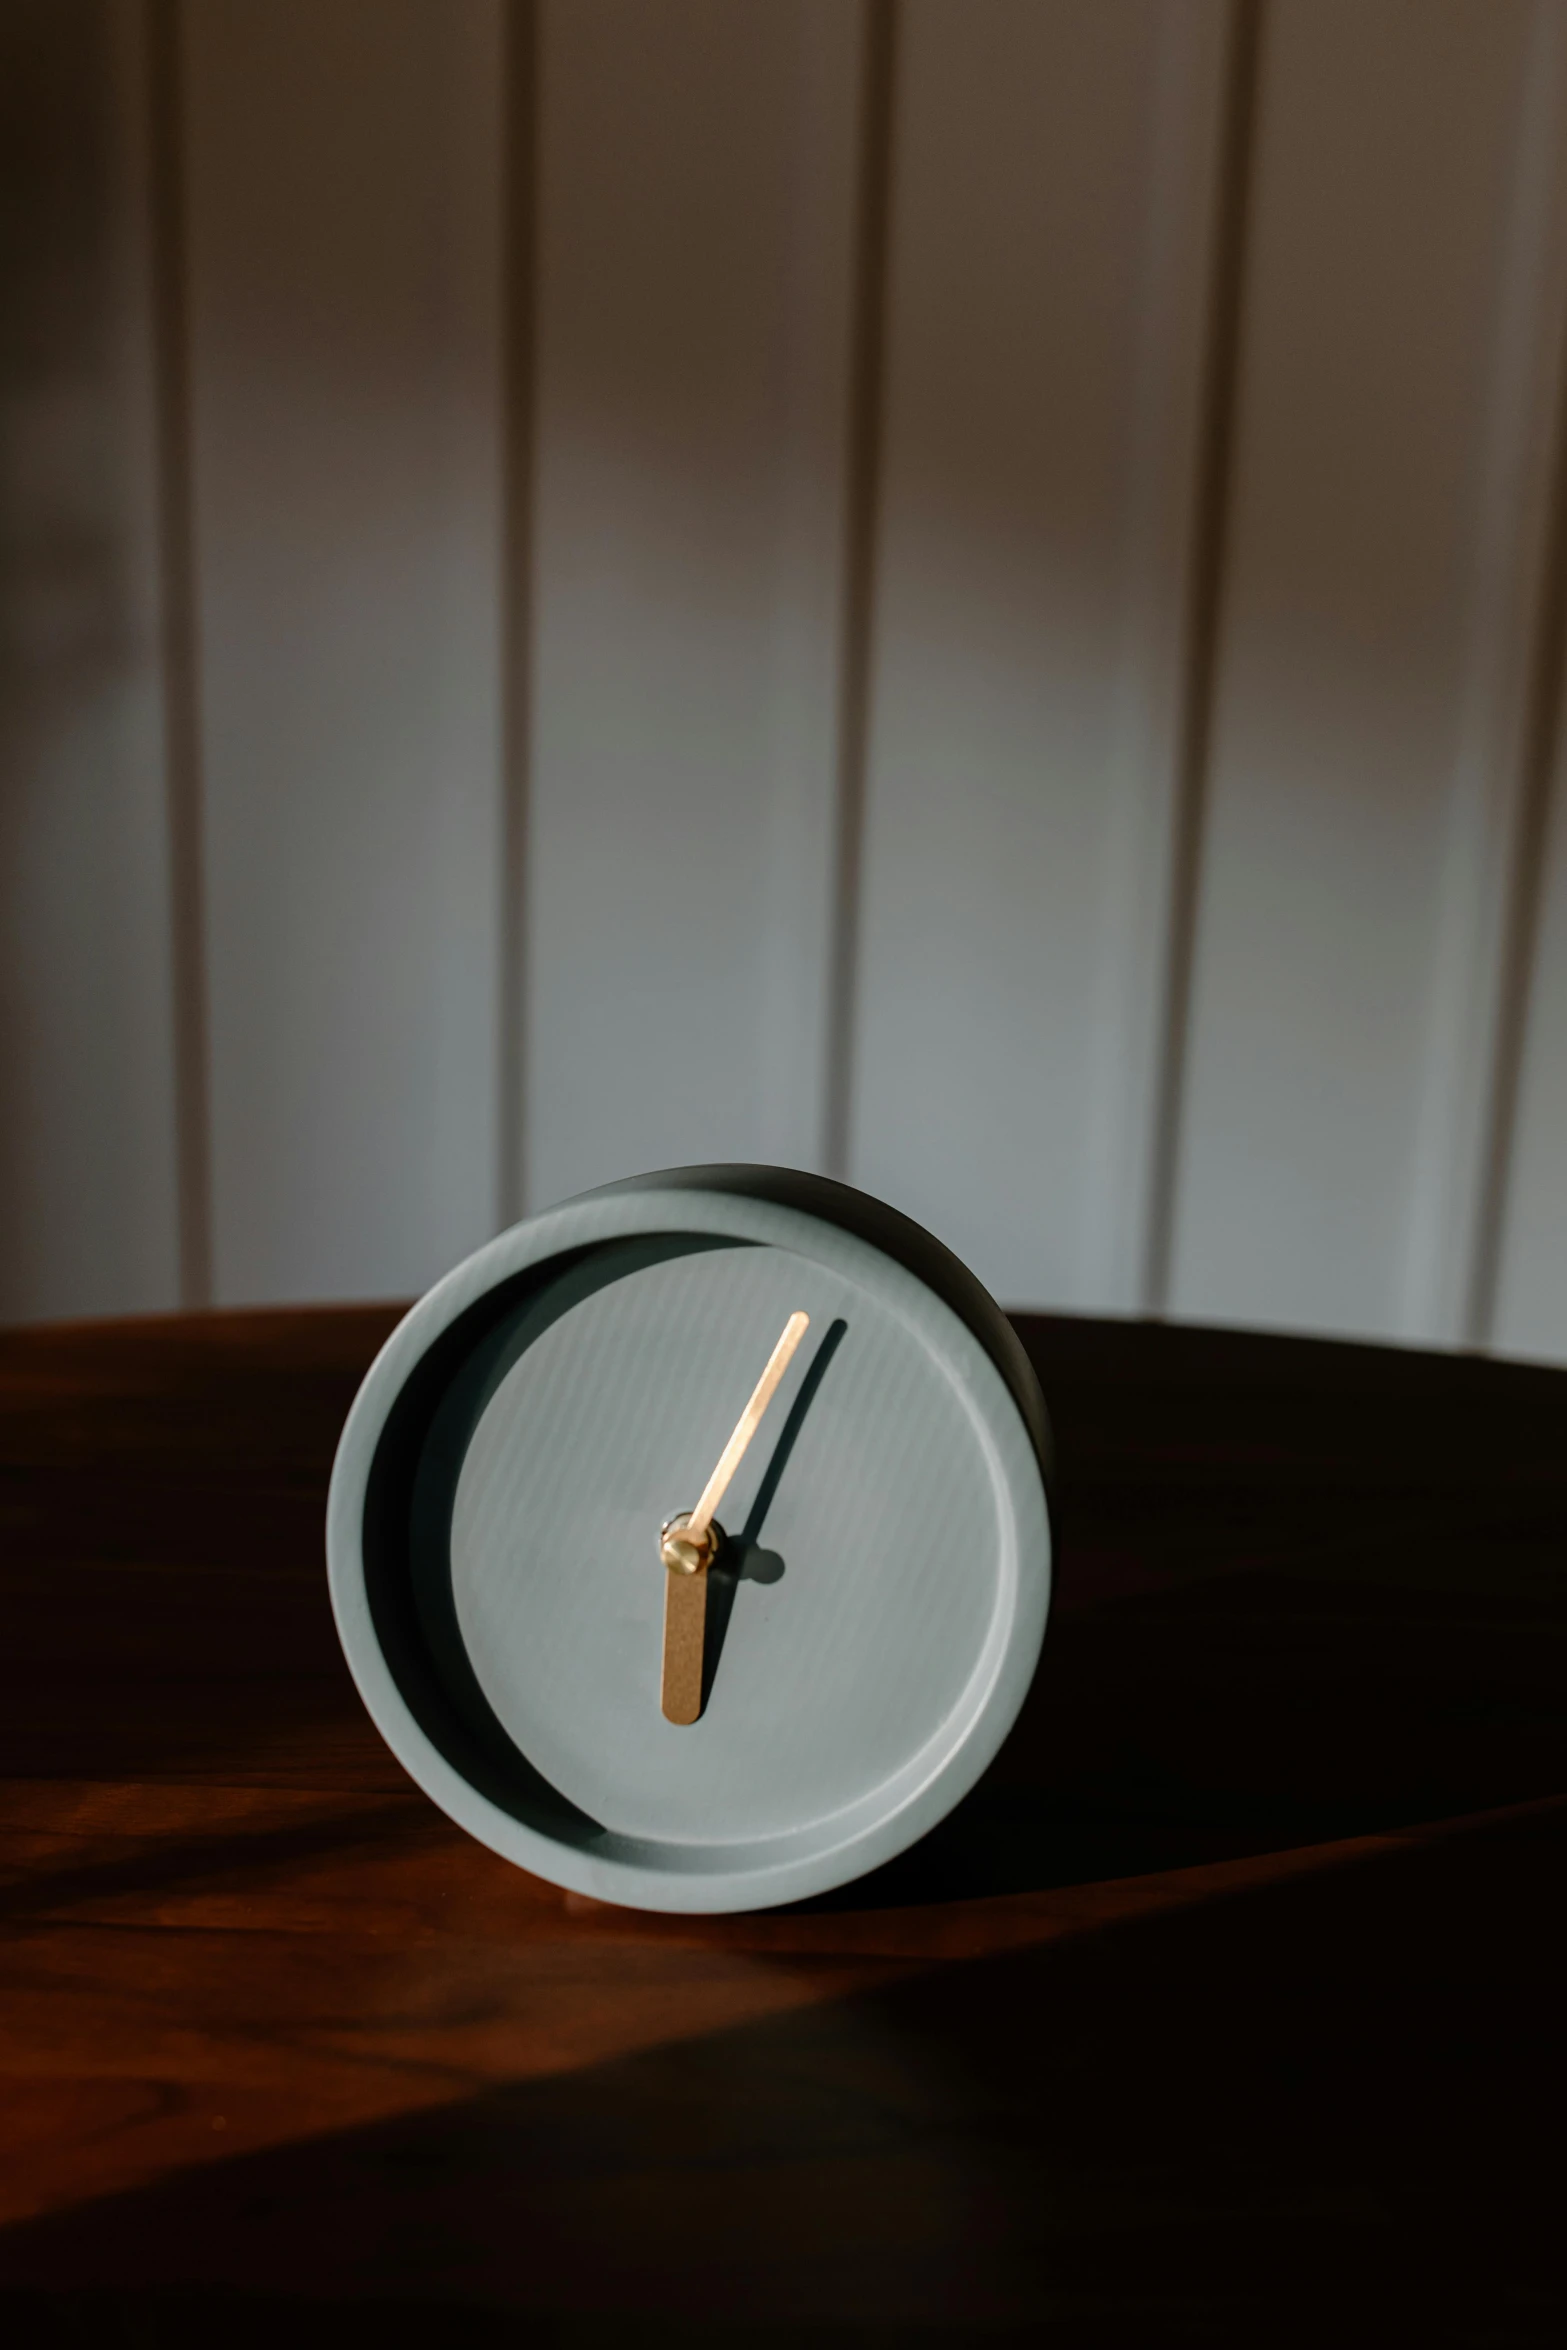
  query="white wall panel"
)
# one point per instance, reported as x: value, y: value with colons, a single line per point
x: 88, y: 1215
x: 696, y: 209
x: 1399, y: 397
x: 343, y: 163
x: 1053, y: 210
x: 836, y: 658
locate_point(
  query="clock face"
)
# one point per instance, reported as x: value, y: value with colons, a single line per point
x: 788, y: 1685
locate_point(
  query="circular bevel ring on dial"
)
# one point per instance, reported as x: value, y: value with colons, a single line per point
x: 493, y: 1529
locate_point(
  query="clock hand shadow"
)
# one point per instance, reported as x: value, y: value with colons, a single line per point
x: 742, y: 1559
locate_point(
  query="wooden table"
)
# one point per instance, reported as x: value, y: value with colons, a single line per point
x: 1229, y: 2007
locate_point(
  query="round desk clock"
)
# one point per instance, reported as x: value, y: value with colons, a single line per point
x: 689, y: 1543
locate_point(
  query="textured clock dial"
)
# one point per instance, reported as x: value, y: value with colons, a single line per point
x: 849, y: 1639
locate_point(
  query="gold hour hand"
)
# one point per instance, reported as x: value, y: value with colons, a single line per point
x: 686, y: 1543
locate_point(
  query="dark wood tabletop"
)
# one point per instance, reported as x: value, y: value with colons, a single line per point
x: 1228, y: 2007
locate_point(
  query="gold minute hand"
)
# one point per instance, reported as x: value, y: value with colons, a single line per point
x: 686, y: 1545
x: 746, y: 1426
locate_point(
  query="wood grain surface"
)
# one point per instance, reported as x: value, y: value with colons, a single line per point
x: 1228, y: 2007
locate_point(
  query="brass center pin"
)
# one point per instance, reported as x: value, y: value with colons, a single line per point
x: 689, y: 1543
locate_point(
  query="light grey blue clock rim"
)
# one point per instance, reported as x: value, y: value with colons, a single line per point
x: 826, y: 1853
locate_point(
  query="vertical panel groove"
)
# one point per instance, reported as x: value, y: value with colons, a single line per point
x: 1215, y: 466
x: 872, y: 244
x: 1522, y: 917
x: 179, y: 648
x: 520, y: 262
